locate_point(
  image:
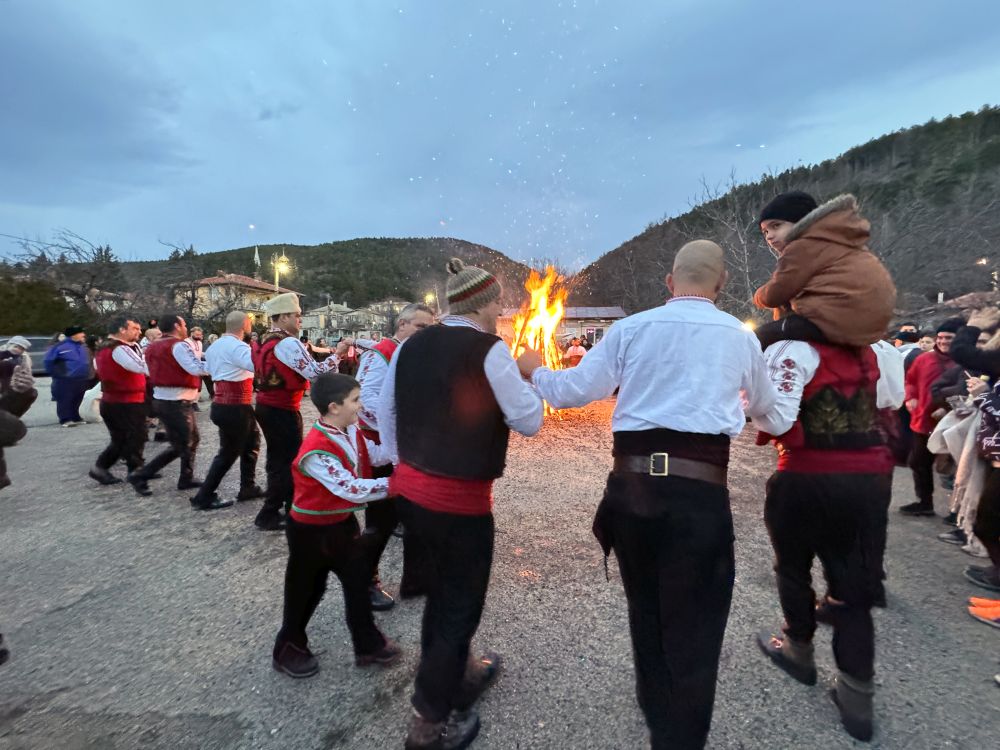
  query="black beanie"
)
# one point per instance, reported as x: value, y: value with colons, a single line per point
x: 72, y: 331
x: 788, y: 207
x: 951, y: 325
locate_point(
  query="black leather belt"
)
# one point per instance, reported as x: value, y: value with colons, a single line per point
x: 665, y: 465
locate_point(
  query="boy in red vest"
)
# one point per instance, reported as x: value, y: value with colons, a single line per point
x: 332, y: 480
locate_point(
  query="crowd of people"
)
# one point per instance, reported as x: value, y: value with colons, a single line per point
x: 420, y: 446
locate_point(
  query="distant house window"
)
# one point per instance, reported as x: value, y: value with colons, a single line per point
x: 213, y: 293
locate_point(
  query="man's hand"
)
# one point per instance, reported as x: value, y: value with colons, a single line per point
x: 911, y: 405
x: 528, y: 362
x: 986, y: 318
x: 976, y: 386
x: 345, y: 343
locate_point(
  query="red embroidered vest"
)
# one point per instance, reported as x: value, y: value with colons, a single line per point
x: 278, y: 385
x: 164, y: 371
x: 118, y: 385
x: 837, y: 430
x: 313, y: 503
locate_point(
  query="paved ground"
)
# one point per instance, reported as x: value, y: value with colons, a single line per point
x: 136, y: 623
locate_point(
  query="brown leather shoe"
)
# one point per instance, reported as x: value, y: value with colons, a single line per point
x: 386, y: 656
x: 295, y: 662
x: 479, y: 675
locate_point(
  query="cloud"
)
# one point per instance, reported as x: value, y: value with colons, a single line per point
x: 85, y: 118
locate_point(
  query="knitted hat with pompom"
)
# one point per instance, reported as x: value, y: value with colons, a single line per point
x: 470, y: 288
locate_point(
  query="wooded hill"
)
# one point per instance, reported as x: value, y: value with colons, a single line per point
x: 930, y: 192
x: 356, y: 271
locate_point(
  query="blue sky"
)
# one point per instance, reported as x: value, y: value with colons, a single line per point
x: 542, y: 129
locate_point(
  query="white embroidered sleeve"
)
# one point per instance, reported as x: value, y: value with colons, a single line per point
x: 791, y: 364
x: 329, y: 472
x: 292, y: 353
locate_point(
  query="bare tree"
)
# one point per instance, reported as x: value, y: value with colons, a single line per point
x: 727, y: 213
x: 79, y: 269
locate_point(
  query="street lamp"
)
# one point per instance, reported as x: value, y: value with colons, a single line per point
x: 281, y: 265
x: 431, y: 298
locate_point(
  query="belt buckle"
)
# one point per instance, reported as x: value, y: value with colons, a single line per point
x: 659, y: 465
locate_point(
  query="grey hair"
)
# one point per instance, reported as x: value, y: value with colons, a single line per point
x: 407, y: 313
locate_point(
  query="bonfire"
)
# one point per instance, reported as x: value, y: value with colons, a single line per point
x: 536, y: 322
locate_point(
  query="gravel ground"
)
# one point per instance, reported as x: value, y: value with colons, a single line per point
x: 135, y: 623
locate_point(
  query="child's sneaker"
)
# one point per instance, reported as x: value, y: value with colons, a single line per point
x: 385, y: 656
x: 989, y: 615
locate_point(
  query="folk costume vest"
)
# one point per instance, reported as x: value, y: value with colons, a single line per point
x: 118, y: 385
x: 313, y: 503
x: 837, y: 431
x: 448, y: 421
x: 278, y: 385
x: 164, y: 370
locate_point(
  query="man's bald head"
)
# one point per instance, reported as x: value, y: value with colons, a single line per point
x: 236, y: 322
x: 699, y: 268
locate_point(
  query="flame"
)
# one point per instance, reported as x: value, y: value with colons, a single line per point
x: 536, y: 322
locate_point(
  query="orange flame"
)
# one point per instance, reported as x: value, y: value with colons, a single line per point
x: 536, y: 322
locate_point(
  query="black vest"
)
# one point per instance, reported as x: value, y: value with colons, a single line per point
x: 448, y: 420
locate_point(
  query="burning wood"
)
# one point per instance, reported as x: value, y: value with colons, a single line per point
x: 536, y: 322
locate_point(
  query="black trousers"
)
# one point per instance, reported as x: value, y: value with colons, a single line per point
x: 673, y: 538
x: 835, y: 517
x: 459, y: 555
x: 380, y: 521
x: 126, y: 424
x: 283, y: 431
x: 315, y: 551
x: 239, y: 438
x: 12, y: 429
x: 922, y: 465
x: 987, y: 526
x: 182, y: 434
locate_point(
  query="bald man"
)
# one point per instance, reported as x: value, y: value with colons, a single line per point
x: 230, y: 365
x: 681, y: 368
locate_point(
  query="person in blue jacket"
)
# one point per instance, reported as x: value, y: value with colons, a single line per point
x: 68, y: 362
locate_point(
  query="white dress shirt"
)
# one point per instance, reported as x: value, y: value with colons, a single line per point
x: 371, y: 374
x: 293, y: 353
x: 184, y: 356
x: 129, y: 356
x: 229, y: 359
x: 680, y: 366
x: 522, y: 409
x: 328, y: 471
x: 792, y: 364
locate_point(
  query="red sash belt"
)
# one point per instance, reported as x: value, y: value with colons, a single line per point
x: 229, y: 393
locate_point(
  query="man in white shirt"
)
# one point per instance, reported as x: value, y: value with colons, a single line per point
x: 574, y: 353
x: 230, y: 366
x: 122, y: 370
x: 450, y: 398
x: 681, y: 369
x: 283, y: 367
x: 381, y: 518
x: 829, y: 499
x: 176, y: 375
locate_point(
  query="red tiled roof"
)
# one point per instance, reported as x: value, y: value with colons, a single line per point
x: 235, y: 279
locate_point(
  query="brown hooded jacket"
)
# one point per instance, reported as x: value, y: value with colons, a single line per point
x: 827, y: 274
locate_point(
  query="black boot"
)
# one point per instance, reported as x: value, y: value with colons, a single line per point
x: 854, y: 700
x: 251, y: 492
x: 138, y: 483
x: 456, y: 733
x: 212, y: 502
x: 380, y: 599
x: 920, y: 508
x: 103, y: 476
